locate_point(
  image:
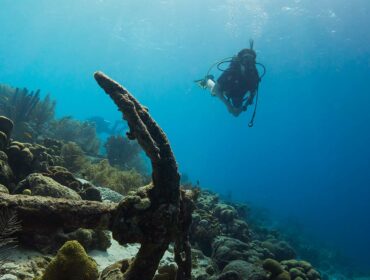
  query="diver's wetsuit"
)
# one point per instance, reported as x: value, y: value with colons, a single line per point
x: 240, y: 77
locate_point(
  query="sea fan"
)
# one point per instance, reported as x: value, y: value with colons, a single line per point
x: 9, y: 225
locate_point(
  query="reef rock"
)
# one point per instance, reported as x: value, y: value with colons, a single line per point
x: 166, y: 271
x: 204, y: 229
x: 26, y: 158
x: 281, y: 250
x: 26, y: 267
x: 110, y: 195
x: 225, y: 213
x: 3, y: 189
x: 228, y: 249
x: 71, y: 262
x: 203, y: 267
x: 91, y: 193
x: 6, y: 173
x: 85, y: 189
x: 244, y: 270
x: 64, y: 177
x: 90, y: 239
x: 45, y: 186
x: 8, y: 277
x: 6, y: 126
x: 299, y: 269
x: 116, y: 270
x: 213, y: 218
x: 238, y: 229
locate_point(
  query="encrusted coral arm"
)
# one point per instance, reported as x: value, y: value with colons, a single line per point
x: 131, y: 111
x: 156, y: 225
x: 151, y: 138
x: 45, y: 214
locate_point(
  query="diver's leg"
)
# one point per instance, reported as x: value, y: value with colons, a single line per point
x: 232, y: 110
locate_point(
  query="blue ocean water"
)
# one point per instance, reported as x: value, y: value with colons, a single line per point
x: 308, y: 156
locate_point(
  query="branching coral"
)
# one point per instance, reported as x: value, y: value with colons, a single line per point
x: 83, y: 133
x: 28, y: 110
x: 123, y: 153
x: 103, y: 174
x: 73, y: 157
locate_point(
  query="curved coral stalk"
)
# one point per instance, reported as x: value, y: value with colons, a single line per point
x: 156, y: 225
x: 150, y: 137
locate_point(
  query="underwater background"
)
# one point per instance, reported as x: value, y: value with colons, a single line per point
x: 306, y: 160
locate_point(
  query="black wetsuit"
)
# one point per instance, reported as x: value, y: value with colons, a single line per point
x: 239, y: 78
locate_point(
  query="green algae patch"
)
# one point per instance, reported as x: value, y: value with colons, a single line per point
x: 71, y: 263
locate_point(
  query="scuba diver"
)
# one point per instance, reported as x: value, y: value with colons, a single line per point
x: 238, y: 85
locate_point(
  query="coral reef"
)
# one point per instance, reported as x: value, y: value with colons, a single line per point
x: 213, y: 218
x: 109, y: 195
x: 204, y: 229
x: 88, y: 238
x: 27, y: 270
x: 26, y: 158
x: 85, y: 189
x: 203, y: 267
x: 3, y: 189
x: 39, y: 184
x: 275, y: 270
x: 324, y: 257
x: 290, y: 270
x: 116, y: 271
x: 71, y: 130
x: 73, y: 157
x: 72, y: 263
x: 154, y: 215
x: 281, y: 250
x: 221, y: 231
x: 103, y: 174
x: 299, y: 269
x: 6, y: 127
x: 227, y: 249
x: 242, y: 270
x: 40, y: 181
x: 123, y: 153
x: 30, y: 113
x: 6, y: 173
